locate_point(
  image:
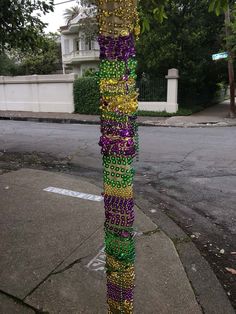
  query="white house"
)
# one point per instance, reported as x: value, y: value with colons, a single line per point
x: 80, y: 52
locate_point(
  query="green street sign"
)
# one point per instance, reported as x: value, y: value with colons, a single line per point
x: 221, y: 55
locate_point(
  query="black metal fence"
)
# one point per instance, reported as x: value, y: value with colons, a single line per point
x: 152, y: 90
x: 204, y: 98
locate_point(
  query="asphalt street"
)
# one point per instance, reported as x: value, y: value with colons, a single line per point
x: 187, y: 173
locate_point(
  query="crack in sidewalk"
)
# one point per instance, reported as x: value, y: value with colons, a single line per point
x: 22, y: 303
x: 151, y: 232
x: 59, y: 264
x: 77, y: 261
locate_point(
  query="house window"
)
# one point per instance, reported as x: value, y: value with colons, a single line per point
x: 76, y: 45
x: 67, y: 46
x: 89, y: 43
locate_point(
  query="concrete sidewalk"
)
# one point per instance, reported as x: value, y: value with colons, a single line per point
x: 217, y: 115
x: 213, y: 116
x: 53, y: 259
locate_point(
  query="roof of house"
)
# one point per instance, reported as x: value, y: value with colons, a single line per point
x: 88, y: 12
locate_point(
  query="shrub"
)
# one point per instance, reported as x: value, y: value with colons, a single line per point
x: 86, y: 96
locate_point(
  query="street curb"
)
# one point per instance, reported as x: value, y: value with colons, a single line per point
x: 190, y: 125
x: 65, y: 121
x: 145, y: 124
x: 196, y: 266
x: 188, y: 254
x: 50, y: 120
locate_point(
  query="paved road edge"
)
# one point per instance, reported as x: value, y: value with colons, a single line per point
x: 145, y: 123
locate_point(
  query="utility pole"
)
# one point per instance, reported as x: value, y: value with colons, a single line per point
x: 230, y: 65
x: 118, y: 26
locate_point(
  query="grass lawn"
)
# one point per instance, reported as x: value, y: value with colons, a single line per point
x: 180, y: 112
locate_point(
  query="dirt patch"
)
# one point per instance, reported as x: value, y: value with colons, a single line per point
x: 10, y: 161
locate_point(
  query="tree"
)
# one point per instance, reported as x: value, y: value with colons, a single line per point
x: 230, y: 46
x: 44, y: 60
x: 71, y: 13
x: 8, y: 66
x: 88, y: 24
x: 217, y: 6
x: 232, y: 37
x: 20, y: 24
x: 186, y: 40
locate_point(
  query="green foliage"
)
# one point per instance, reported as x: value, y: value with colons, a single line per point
x: 44, y: 60
x: 88, y: 8
x: 91, y: 72
x: 20, y: 24
x: 218, y: 6
x: 8, y: 66
x: 230, y: 40
x: 86, y: 96
x: 180, y: 112
x: 71, y: 13
x: 158, y: 9
x: 186, y: 41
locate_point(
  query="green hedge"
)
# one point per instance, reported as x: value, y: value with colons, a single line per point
x: 86, y: 96
x: 86, y: 99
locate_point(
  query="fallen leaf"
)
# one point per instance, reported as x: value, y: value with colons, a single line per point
x: 222, y: 251
x: 196, y: 235
x: 231, y: 270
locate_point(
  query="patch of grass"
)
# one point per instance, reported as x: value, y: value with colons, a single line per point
x: 180, y: 112
x: 154, y: 113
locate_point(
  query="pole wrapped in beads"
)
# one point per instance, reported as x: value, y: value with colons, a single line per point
x: 118, y: 27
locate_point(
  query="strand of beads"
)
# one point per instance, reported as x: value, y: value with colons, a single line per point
x: 119, y: 18
x: 118, y: 22
x: 115, y: 69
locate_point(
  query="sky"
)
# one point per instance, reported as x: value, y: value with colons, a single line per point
x: 55, y: 19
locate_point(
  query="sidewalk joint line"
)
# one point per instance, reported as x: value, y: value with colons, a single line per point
x: 85, y: 196
x: 21, y: 302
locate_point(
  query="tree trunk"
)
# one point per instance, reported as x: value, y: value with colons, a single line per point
x: 232, y: 112
x: 232, y: 88
x: 117, y: 25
